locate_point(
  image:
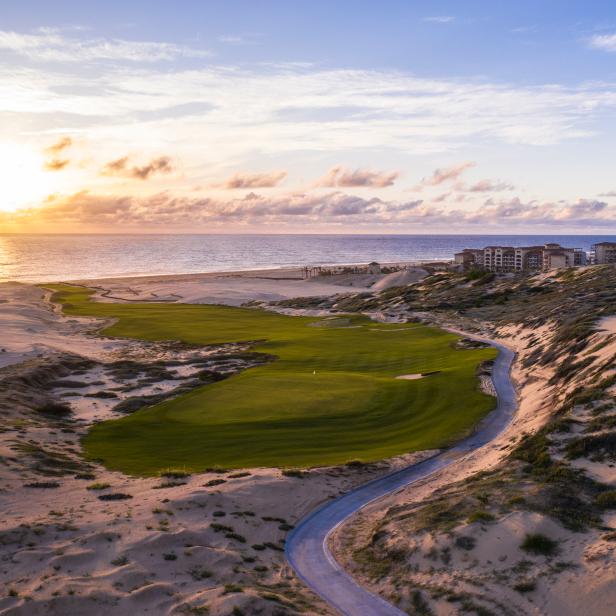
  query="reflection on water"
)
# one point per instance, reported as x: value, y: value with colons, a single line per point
x: 62, y: 257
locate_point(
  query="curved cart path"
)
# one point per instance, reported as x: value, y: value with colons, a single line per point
x: 306, y: 547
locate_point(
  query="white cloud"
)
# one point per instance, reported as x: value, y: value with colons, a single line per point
x: 339, y: 176
x: 51, y: 45
x: 606, y: 42
x: 440, y: 19
x: 334, y: 208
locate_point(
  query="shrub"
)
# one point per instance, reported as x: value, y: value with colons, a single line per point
x: 120, y: 561
x: 465, y: 542
x: 43, y: 484
x: 200, y: 573
x: 98, y: 486
x: 231, y: 588
x: 480, y: 516
x: 87, y: 476
x: 293, y: 472
x: 115, y: 496
x: 175, y: 474
x: 219, y: 528
x: 606, y: 500
x: 56, y: 409
x: 525, y: 586
x: 170, y: 556
x: 214, y: 482
x: 539, y: 544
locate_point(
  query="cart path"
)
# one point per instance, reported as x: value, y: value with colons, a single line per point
x: 306, y: 547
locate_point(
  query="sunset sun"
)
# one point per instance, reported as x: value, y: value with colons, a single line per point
x: 24, y: 179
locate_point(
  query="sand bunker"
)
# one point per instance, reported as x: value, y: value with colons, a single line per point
x: 410, y: 377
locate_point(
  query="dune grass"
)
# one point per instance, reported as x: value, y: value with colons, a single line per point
x: 329, y: 397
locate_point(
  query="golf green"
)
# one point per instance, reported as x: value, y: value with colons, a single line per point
x: 330, y: 396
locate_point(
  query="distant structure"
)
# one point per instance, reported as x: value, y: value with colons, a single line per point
x: 520, y: 258
x: 602, y: 253
x: 374, y: 268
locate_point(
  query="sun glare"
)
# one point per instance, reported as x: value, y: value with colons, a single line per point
x: 24, y: 180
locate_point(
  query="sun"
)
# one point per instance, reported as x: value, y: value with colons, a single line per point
x: 24, y: 181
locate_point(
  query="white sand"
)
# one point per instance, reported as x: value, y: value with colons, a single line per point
x: 233, y: 288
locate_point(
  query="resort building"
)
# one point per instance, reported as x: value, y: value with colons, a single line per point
x: 469, y: 258
x: 603, y: 252
x: 520, y: 258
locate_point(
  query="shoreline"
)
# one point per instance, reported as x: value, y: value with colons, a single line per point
x: 245, y: 272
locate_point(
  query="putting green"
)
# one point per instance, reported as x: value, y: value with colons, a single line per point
x: 330, y: 397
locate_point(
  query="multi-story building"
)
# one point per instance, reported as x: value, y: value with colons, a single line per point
x: 520, y: 258
x: 603, y: 252
x: 469, y: 258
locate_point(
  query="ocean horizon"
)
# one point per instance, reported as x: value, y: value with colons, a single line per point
x: 51, y: 257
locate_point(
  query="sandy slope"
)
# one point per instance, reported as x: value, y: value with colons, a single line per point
x: 586, y: 588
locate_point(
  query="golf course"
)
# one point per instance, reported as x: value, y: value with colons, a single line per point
x: 330, y: 396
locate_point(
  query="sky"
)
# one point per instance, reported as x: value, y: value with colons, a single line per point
x: 308, y: 117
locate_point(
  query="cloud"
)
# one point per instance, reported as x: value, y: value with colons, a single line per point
x: 51, y: 45
x: 334, y: 208
x: 255, y: 180
x: 237, y: 39
x: 120, y: 167
x: 447, y: 174
x: 55, y: 163
x: 485, y: 186
x: 609, y: 193
x: 440, y: 19
x: 341, y: 177
x: 59, y: 145
x: 513, y: 211
x: 605, y: 42
x: 293, y: 109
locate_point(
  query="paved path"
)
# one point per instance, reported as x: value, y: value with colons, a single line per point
x: 306, y: 547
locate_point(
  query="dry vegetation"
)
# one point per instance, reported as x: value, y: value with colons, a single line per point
x: 534, y: 532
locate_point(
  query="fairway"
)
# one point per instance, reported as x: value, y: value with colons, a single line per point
x: 330, y: 396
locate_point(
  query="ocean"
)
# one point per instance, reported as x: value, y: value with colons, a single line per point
x: 45, y: 258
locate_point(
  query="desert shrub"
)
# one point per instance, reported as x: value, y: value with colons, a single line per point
x: 231, y: 588
x: 200, y: 573
x: 115, y: 496
x: 596, y: 446
x: 536, y: 543
x: 525, y: 586
x: 480, y: 516
x: 214, y: 482
x: 465, y: 542
x: 87, y: 476
x: 42, y: 484
x: 606, y: 500
x: 98, y: 486
x: 175, y: 474
x: 294, y: 472
x: 55, y: 409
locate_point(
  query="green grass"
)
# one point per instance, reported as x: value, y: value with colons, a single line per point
x: 282, y: 413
